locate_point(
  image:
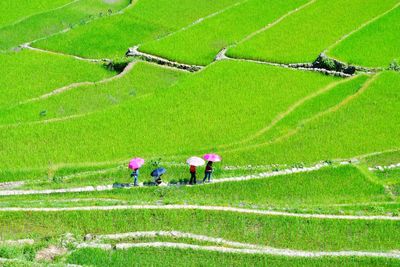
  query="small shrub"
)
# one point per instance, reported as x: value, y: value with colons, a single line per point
x: 328, y: 63
x: 394, y: 65
x: 117, y: 65
x: 58, y: 179
x: 162, y: 192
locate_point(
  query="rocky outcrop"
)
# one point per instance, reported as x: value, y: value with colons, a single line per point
x: 324, y: 62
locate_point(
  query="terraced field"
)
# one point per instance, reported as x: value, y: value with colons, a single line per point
x: 299, y: 98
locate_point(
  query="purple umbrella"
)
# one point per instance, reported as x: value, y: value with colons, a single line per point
x: 212, y: 157
x: 136, y: 163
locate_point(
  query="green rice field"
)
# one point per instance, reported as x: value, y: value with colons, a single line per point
x: 295, y: 102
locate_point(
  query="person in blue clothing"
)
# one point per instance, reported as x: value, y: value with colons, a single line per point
x: 208, y: 172
x: 135, y: 175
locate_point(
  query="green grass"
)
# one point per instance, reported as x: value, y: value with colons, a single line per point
x: 337, y: 185
x: 383, y: 159
x: 364, y: 125
x: 391, y: 176
x: 373, y: 45
x: 311, y: 108
x: 275, y: 231
x: 47, y: 23
x: 258, y: 117
x: 21, y: 252
x: 302, y: 36
x: 143, y: 80
x: 14, y: 11
x: 26, y: 75
x: 183, y: 257
x: 201, y: 43
x: 172, y: 121
x: 145, y: 21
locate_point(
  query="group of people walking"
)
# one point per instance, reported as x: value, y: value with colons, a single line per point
x: 207, y: 173
x: 193, y: 162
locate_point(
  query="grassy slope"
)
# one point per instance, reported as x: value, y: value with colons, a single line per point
x: 312, y: 30
x: 172, y: 121
x: 341, y: 185
x: 366, y: 124
x: 178, y: 257
x: 392, y: 179
x: 201, y: 43
x: 376, y: 45
x: 141, y: 81
x: 383, y: 159
x: 13, y: 11
x: 26, y: 74
x: 311, y: 108
x: 146, y: 20
x: 54, y: 21
x: 276, y: 231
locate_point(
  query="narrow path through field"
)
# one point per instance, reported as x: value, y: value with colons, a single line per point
x: 295, y: 66
x: 94, y: 60
x: 65, y: 118
x: 205, y: 208
x: 290, y: 109
x: 359, y: 204
x: 291, y: 12
x: 110, y: 187
x: 27, y: 17
x: 346, y: 101
x: 305, y: 121
x: 384, y: 168
x: 361, y: 27
x: 266, y: 251
x: 234, y: 247
x: 122, y: 11
x: 203, y: 19
x: 126, y: 70
x: 175, y: 234
x: 134, y: 52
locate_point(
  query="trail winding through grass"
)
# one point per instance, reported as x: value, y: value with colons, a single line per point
x: 267, y: 251
x: 207, y: 208
x: 248, y: 37
x: 126, y: 70
x: 94, y: 60
x: 361, y: 27
x: 233, y: 247
x: 290, y: 109
x: 292, y: 132
x: 32, y: 15
x: 110, y: 187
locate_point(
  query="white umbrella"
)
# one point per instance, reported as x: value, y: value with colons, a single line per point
x: 195, y: 161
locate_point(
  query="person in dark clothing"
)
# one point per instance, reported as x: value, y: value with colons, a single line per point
x: 192, y: 175
x: 135, y: 175
x: 208, y: 172
x: 158, y: 180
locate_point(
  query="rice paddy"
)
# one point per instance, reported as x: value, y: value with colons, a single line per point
x: 310, y: 170
x: 331, y: 20
x: 380, y: 35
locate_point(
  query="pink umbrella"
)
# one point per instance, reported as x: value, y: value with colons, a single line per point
x: 136, y: 163
x: 212, y: 157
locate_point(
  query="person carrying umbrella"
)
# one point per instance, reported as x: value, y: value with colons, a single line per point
x: 135, y: 164
x: 135, y: 174
x: 208, y: 172
x: 209, y: 168
x: 157, y: 173
x: 193, y: 163
x: 192, y: 174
